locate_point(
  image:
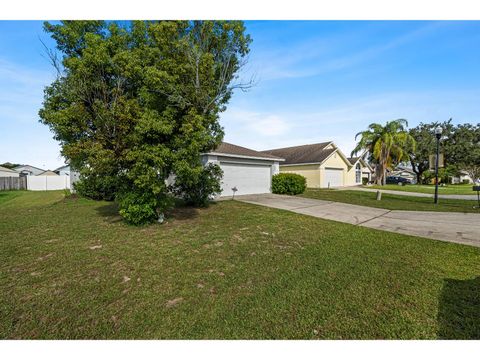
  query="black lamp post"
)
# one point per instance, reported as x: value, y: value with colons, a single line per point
x: 438, y: 135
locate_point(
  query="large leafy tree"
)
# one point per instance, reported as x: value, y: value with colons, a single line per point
x: 424, y: 135
x: 463, y: 149
x: 460, y: 145
x: 135, y: 103
x: 387, y: 144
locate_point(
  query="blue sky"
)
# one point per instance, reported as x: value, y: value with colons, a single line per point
x: 315, y: 81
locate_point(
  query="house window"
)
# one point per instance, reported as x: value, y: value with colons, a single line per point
x: 358, y: 173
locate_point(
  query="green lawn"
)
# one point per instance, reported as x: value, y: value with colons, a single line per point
x: 70, y: 269
x: 460, y: 189
x: 390, y: 201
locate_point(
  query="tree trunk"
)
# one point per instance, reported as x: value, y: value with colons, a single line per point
x: 416, y: 170
x: 378, y: 174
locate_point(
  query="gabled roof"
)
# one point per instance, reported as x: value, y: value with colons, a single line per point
x: 361, y: 158
x: 61, y: 167
x: 8, y: 170
x: 353, y: 160
x: 48, y: 173
x: 403, y: 169
x: 304, y: 154
x: 26, y: 165
x: 228, y: 149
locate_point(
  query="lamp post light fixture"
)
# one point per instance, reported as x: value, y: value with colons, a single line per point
x: 438, y: 135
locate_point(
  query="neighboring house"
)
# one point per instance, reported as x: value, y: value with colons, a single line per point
x: 63, y: 170
x: 324, y: 165
x: 5, y: 172
x: 363, y: 170
x: 247, y: 170
x: 404, y: 172
x: 28, y: 170
x: 463, y: 176
x: 74, y: 177
x: 47, y: 173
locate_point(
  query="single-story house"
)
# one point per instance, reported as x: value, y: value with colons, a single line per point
x: 324, y: 165
x: 63, y: 170
x: 28, y: 170
x: 404, y: 172
x: 463, y: 176
x: 246, y: 170
x: 6, y: 172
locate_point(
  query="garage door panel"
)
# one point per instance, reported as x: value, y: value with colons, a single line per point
x: 333, y: 177
x: 248, y: 179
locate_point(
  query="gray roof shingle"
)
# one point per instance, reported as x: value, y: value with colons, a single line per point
x: 353, y: 160
x: 303, y: 154
x: 231, y: 149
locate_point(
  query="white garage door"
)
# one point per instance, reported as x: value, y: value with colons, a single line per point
x: 248, y: 179
x: 334, y: 177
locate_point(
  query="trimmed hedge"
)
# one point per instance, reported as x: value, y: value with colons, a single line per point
x: 290, y: 184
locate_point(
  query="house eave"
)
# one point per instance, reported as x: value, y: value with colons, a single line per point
x: 300, y: 164
x: 243, y: 156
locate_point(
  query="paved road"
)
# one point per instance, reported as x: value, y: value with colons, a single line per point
x: 409, y: 193
x: 460, y: 228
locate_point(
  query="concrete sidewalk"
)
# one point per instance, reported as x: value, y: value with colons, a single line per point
x: 460, y: 228
x: 409, y: 193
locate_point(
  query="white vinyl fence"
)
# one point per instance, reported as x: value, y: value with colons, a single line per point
x: 42, y: 182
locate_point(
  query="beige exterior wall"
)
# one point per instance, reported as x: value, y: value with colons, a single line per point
x: 315, y: 174
x: 335, y: 161
x: 351, y: 175
x: 311, y: 173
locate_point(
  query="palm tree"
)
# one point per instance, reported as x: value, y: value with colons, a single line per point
x: 388, y: 145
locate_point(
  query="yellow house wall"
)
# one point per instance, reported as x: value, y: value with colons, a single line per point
x: 351, y: 176
x: 315, y: 173
x: 311, y: 173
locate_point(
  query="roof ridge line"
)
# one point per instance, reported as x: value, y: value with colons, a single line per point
x: 304, y: 145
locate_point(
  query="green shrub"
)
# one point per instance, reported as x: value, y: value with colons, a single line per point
x: 139, y: 207
x: 465, y: 181
x: 291, y: 184
x: 427, y: 177
x: 197, y: 185
x: 96, y: 187
x: 364, y: 181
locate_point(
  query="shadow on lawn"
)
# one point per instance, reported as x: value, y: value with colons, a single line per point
x: 459, y: 309
x: 109, y: 212
x: 181, y: 212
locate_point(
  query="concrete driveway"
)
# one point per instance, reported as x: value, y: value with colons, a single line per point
x: 460, y: 228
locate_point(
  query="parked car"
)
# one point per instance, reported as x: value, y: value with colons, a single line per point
x: 398, y: 180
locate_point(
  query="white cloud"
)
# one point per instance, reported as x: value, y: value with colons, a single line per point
x: 268, y: 125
